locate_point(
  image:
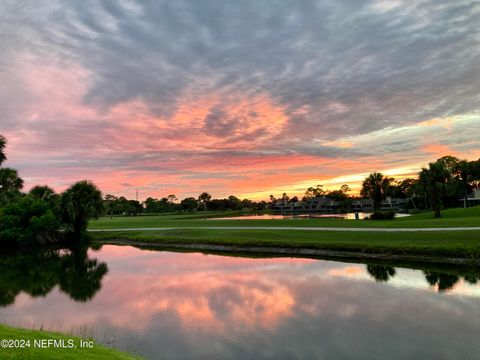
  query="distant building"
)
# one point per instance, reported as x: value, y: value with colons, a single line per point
x: 321, y: 204
x: 362, y: 205
x: 325, y: 205
x: 395, y: 204
x: 282, y: 205
x: 471, y: 200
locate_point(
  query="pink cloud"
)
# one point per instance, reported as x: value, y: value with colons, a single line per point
x: 221, y: 142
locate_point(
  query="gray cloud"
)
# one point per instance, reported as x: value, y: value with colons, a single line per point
x: 383, y: 68
x: 220, y: 124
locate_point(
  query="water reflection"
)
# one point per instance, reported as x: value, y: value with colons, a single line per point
x: 441, y: 281
x: 36, y: 272
x: 345, y: 216
x: 472, y: 279
x: 380, y: 272
x: 193, y: 305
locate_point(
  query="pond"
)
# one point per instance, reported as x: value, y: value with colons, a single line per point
x: 346, y: 216
x: 174, y: 305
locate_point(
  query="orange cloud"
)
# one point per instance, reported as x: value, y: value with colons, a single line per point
x: 438, y: 150
x: 223, y: 143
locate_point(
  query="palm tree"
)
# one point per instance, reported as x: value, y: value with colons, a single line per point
x: 204, y: 197
x: 10, y: 185
x: 313, y: 192
x: 81, y: 202
x: 375, y: 187
x: 435, y: 183
x: 43, y: 192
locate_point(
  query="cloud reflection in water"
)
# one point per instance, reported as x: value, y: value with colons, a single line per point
x: 191, y: 305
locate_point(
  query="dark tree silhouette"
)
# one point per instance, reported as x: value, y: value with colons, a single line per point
x: 375, y: 187
x: 436, y: 183
x: 204, y: 198
x: 189, y: 204
x: 472, y: 279
x: 81, y: 277
x: 443, y: 281
x: 37, y: 271
x: 381, y: 273
x: 3, y: 143
x: 80, y: 203
x: 314, y: 191
x: 43, y: 192
x: 10, y: 185
x: 28, y: 221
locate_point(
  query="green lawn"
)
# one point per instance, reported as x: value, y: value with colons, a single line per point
x: 464, y: 244
x: 36, y: 352
x: 450, y: 218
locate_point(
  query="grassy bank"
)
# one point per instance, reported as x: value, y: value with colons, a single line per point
x: 450, y: 218
x: 41, y: 349
x: 463, y: 244
x: 458, y: 244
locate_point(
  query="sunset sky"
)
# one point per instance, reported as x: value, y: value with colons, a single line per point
x: 235, y: 97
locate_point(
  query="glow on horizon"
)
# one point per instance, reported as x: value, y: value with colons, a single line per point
x: 354, y: 181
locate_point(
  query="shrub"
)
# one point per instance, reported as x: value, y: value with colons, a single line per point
x: 382, y: 215
x: 28, y: 221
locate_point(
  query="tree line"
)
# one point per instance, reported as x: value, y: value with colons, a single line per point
x: 437, y: 186
x: 440, y: 185
x: 170, y: 204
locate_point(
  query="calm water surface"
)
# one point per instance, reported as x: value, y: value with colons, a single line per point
x: 347, y: 216
x: 167, y: 305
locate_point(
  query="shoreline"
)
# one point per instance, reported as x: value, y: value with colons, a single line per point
x: 294, y: 252
x: 290, y: 228
x: 23, y: 343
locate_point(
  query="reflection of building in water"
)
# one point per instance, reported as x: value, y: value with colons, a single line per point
x: 323, y: 204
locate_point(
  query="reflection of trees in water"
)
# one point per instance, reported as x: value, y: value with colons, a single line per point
x: 380, y: 272
x: 38, y: 272
x: 82, y: 277
x: 443, y: 281
x: 472, y: 279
